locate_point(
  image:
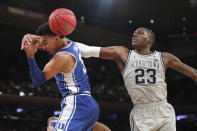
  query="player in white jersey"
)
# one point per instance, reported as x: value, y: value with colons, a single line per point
x: 143, y: 72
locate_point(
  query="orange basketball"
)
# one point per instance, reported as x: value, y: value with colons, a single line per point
x: 62, y: 22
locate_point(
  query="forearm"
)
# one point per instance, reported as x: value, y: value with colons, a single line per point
x: 37, y: 75
x: 111, y: 52
x: 88, y: 51
x: 194, y: 76
x: 176, y: 64
x: 186, y: 70
x: 191, y: 73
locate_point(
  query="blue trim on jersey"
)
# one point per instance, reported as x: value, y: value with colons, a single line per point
x: 161, y: 58
x: 75, y: 81
x: 72, y: 114
x: 162, y: 62
x: 127, y: 61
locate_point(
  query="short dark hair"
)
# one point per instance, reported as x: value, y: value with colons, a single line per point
x: 152, y: 35
x: 44, y: 29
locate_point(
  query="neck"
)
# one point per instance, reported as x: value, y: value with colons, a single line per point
x: 62, y: 43
x: 143, y: 51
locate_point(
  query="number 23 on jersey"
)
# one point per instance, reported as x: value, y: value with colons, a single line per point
x: 145, y: 76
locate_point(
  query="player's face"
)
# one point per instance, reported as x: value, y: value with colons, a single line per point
x: 49, y: 44
x: 139, y: 39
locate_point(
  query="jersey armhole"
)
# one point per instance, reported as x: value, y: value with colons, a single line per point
x: 65, y: 52
x: 122, y: 72
x: 162, y: 62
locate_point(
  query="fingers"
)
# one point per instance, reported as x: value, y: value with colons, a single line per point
x: 29, y: 39
x: 35, y: 37
x: 24, y: 42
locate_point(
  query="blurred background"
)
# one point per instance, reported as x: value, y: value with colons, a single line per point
x: 24, y: 107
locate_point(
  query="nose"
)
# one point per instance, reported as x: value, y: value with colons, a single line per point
x: 134, y: 34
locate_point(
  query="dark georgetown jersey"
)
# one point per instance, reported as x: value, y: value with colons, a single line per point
x: 76, y: 81
x: 144, y: 77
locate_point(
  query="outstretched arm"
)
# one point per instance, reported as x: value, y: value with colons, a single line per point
x: 175, y: 63
x: 117, y: 53
x: 88, y: 51
x: 111, y: 52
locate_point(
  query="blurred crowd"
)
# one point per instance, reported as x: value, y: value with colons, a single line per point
x: 105, y: 80
x: 104, y: 77
x: 106, y: 86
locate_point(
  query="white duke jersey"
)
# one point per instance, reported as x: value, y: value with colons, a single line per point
x: 144, y: 77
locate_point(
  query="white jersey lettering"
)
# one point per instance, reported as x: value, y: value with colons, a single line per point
x: 144, y: 77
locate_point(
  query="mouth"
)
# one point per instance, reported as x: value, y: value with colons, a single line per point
x: 133, y: 39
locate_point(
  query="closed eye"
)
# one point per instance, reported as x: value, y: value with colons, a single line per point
x: 44, y: 42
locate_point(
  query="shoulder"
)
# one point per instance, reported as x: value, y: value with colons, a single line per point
x: 168, y: 56
x: 169, y: 59
x: 122, y: 53
x: 63, y: 57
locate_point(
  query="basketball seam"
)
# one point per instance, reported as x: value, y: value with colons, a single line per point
x: 66, y: 21
x: 65, y: 13
x: 57, y: 24
x: 58, y: 10
x: 62, y: 13
x: 60, y: 27
x: 53, y: 24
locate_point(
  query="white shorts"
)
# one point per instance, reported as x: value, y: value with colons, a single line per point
x: 158, y: 116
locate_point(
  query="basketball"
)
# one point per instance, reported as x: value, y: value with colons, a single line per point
x: 62, y: 22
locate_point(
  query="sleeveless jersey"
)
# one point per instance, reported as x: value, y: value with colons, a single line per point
x: 144, y: 77
x: 76, y: 81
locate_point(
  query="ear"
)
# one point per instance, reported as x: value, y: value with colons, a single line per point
x: 57, y: 38
x: 149, y: 40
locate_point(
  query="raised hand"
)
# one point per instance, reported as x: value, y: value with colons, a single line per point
x: 30, y: 43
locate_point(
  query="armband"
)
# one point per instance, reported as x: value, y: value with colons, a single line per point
x: 88, y: 51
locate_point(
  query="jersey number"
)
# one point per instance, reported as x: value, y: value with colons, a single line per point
x: 140, y: 74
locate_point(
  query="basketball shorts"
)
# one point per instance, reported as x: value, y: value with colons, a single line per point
x: 158, y: 116
x: 79, y: 113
